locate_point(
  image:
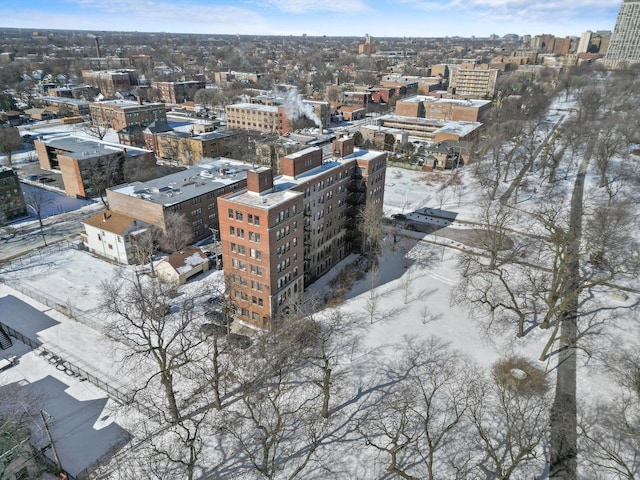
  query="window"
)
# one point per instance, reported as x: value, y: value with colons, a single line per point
x: 233, y: 247
x: 197, y: 223
x: 256, y: 220
x: 231, y: 213
x: 241, y: 233
x: 253, y: 253
x: 196, y: 212
x: 242, y: 250
x: 196, y: 201
x: 242, y: 265
x: 255, y: 317
x: 238, y: 216
x: 249, y: 218
x: 232, y: 231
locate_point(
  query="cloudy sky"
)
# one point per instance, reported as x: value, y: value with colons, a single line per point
x: 398, y: 18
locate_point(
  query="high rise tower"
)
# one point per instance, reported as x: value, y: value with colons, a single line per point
x: 625, y: 41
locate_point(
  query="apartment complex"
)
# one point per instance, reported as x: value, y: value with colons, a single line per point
x: 193, y: 193
x: 470, y: 82
x: 257, y: 117
x: 431, y: 130
x: 110, y: 81
x: 12, y: 204
x: 421, y: 106
x: 624, y: 47
x: 280, y: 234
x: 120, y: 114
x: 191, y: 148
x: 88, y: 165
x: 177, y: 92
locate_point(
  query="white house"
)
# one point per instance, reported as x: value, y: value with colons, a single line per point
x: 108, y: 234
x: 181, y: 266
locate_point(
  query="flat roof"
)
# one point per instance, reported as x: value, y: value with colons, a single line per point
x: 193, y: 182
x: 283, y: 184
x: 84, y: 148
x: 428, y: 99
x: 125, y: 104
x: 255, y: 106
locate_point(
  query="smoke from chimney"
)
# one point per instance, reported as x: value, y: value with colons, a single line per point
x: 295, y: 108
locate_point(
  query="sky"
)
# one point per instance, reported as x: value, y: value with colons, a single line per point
x: 379, y: 18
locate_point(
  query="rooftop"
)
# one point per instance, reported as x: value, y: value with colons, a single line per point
x: 283, y: 184
x: 254, y: 106
x: 181, y: 186
x: 82, y: 148
x: 127, y: 104
x: 114, y: 222
x: 428, y: 99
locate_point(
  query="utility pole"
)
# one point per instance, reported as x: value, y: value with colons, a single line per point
x: 53, y: 446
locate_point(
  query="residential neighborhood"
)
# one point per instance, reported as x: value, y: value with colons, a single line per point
x: 320, y: 256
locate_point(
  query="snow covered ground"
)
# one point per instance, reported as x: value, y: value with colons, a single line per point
x: 413, y: 288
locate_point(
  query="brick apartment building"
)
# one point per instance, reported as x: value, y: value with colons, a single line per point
x: 81, y: 160
x: 110, y: 81
x: 280, y: 234
x: 120, y: 114
x: 190, y: 148
x: 12, y: 204
x: 178, y: 92
x: 443, y: 108
x: 193, y: 193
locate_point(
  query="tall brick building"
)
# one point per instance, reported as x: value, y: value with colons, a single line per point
x: 120, y: 114
x: 280, y: 234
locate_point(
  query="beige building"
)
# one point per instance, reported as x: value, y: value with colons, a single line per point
x: 257, y: 117
x: 470, y: 82
x: 191, y: 148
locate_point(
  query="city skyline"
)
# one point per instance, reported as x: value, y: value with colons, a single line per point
x: 379, y: 18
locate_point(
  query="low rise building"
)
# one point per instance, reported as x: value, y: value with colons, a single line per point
x: 112, y: 235
x: 421, y: 106
x: 178, y: 92
x: 183, y: 265
x: 430, y: 130
x: 119, y: 114
x: 191, y: 148
x: 258, y: 117
x: 192, y: 193
x: 90, y: 165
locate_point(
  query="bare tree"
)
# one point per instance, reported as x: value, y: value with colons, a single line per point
x: 177, y: 233
x: 99, y: 175
x: 10, y: 141
x: 274, y: 426
x: 371, y: 231
x: 95, y: 130
x: 141, y: 307
x: 511, y: 418
x: 37, y: 199
x: 419, y: 424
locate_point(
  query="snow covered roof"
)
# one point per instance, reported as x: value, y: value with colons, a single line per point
x: 186, y: 259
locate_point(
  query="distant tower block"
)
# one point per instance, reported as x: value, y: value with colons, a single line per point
x: 367, y: 48
x: 624, y: 47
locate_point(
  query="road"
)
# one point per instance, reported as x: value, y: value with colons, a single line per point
x: 15, y: 242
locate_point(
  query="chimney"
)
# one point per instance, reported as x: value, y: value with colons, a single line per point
x: 98, y: 48
x: 139, y: 98
x: 260, y: 181
x: 104, y: 216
